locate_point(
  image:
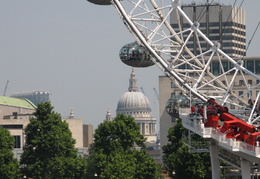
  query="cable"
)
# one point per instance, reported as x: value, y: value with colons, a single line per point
x: 223, y: 29
x: 204, y: 11
x: 249, y: 43
x: 252, y: 36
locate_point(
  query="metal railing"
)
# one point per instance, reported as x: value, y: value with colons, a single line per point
x: 195, y: 124
x: 194, y: 145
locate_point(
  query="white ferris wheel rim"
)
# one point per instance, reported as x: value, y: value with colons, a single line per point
x: 148, y: 23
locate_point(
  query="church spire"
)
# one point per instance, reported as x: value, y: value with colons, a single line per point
x: 71, y: 116
x: 133, y: 82
x: 108, y: 115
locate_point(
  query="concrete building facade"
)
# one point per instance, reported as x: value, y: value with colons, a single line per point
x: 15, y: 115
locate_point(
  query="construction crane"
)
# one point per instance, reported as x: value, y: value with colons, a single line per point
x: 156, y: 94
x: 158, y: 120
x: 142, y: 90
x: 5, y: 87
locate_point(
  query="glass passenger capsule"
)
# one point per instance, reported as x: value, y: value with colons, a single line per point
x: 175, y: 103
x: 134, y: 55
x: 100, y: 2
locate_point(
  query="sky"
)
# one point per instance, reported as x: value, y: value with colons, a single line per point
x: 70, y: 49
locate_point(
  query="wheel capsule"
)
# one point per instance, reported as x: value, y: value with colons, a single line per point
x: 176, y: 102
x: 100, y: 2
x: 134, y: 55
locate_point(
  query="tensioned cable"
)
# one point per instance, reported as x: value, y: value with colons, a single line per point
x: 252, y: 36
x: 224, y: 28
x: 203, y: 11
x: 249, y: 43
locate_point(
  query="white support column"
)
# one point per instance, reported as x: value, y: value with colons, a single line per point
x: 214, y: 160
x: 245, y: 169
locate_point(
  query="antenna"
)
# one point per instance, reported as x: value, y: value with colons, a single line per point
x: 6, y: 87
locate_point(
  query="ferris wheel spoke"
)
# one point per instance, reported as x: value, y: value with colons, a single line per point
x: 192, y: 72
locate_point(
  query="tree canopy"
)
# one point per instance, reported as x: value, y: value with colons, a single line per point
x: 119, y: 152
x: 181, y: 161
x: 9, y: 167
x: 49, y: 150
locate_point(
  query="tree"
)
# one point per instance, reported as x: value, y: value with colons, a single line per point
x: 119, y: 152
x: 181, y: 161
x: 9, y: 166
x: 49, y: 150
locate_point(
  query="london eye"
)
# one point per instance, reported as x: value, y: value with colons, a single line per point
x: 150, y: 23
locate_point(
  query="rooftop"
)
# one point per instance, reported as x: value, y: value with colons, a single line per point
x: 16, y: 102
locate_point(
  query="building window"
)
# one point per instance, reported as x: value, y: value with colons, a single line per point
x: 214, y: 31
x: 257, y: 66
x: 12, y: 126
x: 173, y: 119
x: 143, y: 128
x: 17, y: 141
x: 231, y: 65
x: 232, y: 106
x: 250, y: 82
x: 15, y: 114
x: 241, y: 83
x: 250, y: 65
x: 225, y: 65
x: 240, y: 93
x: 215, y: 67
x: 183, y: 66
x: 146, y: 129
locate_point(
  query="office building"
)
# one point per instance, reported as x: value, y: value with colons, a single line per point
x: 220, y: 23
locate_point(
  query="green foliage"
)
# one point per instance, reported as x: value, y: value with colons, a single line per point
x: 49, y: 151
x: 119, y: 152
x: 119, y: 165
x: 9, y: 167
x: 122, y: 132
x: 179, y: 159
x: 145, y: 166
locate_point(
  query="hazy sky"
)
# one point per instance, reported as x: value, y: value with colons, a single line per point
x: 70, y: 49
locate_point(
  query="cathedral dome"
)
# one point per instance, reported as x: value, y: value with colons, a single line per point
x: 133, y: 102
